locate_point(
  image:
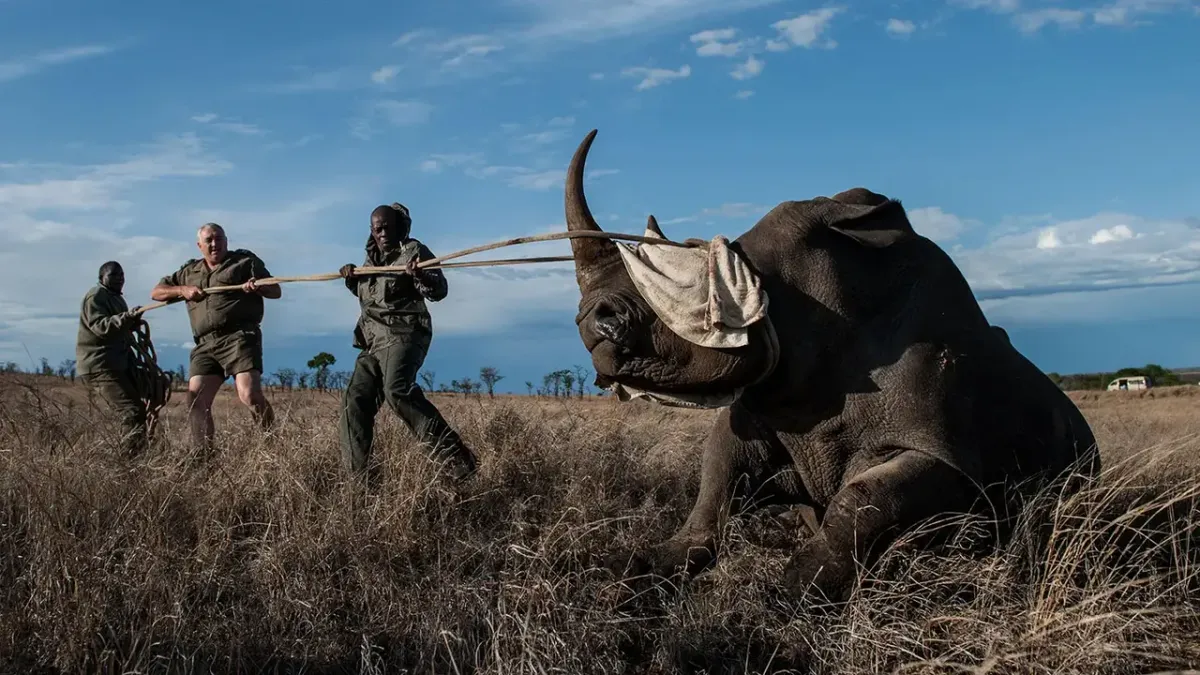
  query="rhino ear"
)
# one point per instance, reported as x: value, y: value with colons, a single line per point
x: 877, y: 225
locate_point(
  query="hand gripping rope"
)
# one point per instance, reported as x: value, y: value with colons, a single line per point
x: 439, y: 262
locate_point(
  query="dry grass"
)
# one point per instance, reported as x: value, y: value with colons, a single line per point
x: 261, y: 557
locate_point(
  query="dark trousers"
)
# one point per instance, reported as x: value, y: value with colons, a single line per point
x: 390, y: 374
x: 118, y: 390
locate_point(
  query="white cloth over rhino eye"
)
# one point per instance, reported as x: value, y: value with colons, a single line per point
x: 707, y: 295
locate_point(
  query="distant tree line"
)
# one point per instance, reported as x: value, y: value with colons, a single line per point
x: 1159, y: 377
x: 562, y: 383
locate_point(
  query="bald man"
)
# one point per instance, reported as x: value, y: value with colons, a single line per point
x: 225, y: 327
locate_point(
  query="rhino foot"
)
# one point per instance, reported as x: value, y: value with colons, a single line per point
x: 671, y: 560
x: 819, y: 574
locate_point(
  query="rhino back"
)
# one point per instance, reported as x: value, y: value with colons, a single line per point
x: 885, y: 349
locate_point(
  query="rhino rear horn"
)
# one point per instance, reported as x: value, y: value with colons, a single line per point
x: 652, y: 225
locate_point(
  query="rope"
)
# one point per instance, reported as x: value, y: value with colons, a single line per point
x: 151, y: 382
x: 439, y: 262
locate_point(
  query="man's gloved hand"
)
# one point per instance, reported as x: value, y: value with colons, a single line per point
x: 346, y: 270
x: 131, y: 319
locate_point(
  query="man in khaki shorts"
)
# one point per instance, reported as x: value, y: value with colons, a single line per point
x: 225, y: 327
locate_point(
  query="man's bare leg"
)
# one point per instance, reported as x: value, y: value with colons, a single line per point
x: 250, y: 393
x: 202, y: 390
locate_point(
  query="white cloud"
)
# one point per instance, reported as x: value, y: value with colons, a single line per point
x: 653, y: 77
x: 751, y: 68
x: 716, y: 42
x: 596, y: 76
x: 1111, y: 234
x: 735, y: 210
x: 232, y: 126
x: 1107, y: 250
x: 804, y: 30
x: 597, y: 20
x: 1048, y: 238
x: 467, y: 48
x: 308, y: 82
x: 408, y: 37
x: 99, y: 187
x: 385, y: 74
x: 78, y: 217
x: 437, y: 162
x: 900, y: 27
x: 1032, y: 22
x: 936, y: 224
x: 744, y: 94
x: 1127, y: 12
x: 475, y: 165
x: 1115, y: 13
x: 998, y: 6
x: 29, y: 65
x: 393, y: 112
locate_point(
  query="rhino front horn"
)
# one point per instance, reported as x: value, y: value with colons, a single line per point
x: 591, y: 255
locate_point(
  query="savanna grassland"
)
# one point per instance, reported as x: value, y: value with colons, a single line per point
x: 261, y: 557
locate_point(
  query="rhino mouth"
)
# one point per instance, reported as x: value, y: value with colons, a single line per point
x: 625, y: 393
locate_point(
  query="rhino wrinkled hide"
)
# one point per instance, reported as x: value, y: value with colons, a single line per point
x: 706, y: 295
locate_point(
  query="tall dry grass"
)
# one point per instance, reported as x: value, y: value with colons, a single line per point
x: 261, y: 557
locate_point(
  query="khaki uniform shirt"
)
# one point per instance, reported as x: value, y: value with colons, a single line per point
x: 103, y: 344
x: 393, y: 305
x: 226, y: 311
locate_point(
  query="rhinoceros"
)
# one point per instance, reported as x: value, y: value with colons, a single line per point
x: 874, y: 395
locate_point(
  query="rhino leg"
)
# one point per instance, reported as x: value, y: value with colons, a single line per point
x: 740, y: 471
x: 867, y: 515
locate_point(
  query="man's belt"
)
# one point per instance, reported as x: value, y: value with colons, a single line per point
x: 222, y: 332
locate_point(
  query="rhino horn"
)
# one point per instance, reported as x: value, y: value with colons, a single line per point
x: 591, y: 255
x: 652, y: 226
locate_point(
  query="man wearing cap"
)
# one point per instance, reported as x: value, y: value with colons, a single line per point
x: 394, y: 332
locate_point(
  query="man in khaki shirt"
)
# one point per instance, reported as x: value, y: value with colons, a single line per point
x: 104, y: 354
x: 225, y: 327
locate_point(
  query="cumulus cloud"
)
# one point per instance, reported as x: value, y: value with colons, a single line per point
x: 936, y: 224
x: 716, y: 42
x: 385, y: 74
x: 900, y: 27
x: 805, y: 30
x: 653, y: 77
x: 752, y: 67
x: 1104, y: 251
x: 43, y: 221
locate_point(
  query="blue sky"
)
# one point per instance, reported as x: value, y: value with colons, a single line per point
x: 1050, y: 147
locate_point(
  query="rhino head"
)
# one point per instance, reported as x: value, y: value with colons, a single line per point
x: 633, y: 351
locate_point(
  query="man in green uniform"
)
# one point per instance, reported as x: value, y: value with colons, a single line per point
x: 104, y: 354
x: 225, y: 327
x: 393, y: 332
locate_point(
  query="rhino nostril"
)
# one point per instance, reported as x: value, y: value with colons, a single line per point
x: 609, y: 328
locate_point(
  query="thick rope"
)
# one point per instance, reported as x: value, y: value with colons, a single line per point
x: 439, y: 262
x: 151, y: 382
